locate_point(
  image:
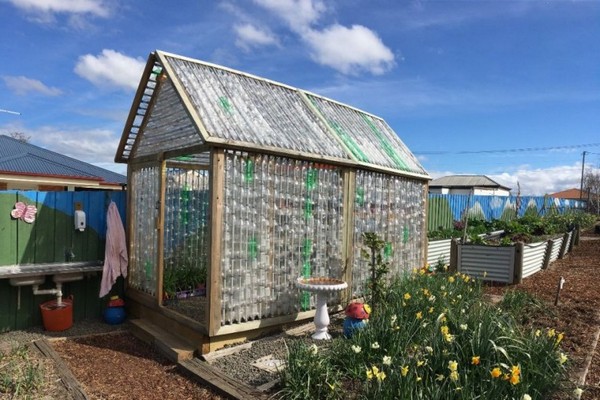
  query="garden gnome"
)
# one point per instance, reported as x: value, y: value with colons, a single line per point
x: 357, y: 316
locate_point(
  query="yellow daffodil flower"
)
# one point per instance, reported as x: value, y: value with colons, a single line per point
x: 452, y: 365
x: 404, y: 370
x: 475, y: 360
x: 495, y: 373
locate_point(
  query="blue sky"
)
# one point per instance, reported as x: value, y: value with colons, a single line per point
x: 452, y: 78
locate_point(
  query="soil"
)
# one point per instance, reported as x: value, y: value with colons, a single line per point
x: 119, y: 366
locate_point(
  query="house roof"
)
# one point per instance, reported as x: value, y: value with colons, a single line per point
x: 19, y: 158
x: 466, y: 181
x: 210, y: 105
x: 574, y: 194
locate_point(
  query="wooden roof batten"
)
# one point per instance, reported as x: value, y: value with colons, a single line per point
x: 162, y: 58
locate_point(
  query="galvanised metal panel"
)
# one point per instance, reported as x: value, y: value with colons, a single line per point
x: 439, y: 250
x: 488, y: 263
x: 556, y: 246
x: 569, y: 240
x: 243, y: 108
x: 533, y: 257
x: 169, y: 127
x: 368, y: 138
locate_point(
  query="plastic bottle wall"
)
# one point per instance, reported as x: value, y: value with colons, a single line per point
x: 393, y: 208
x: 142, y: 259
x: 282, y: 219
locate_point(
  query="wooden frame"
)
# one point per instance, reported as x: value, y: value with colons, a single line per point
x: 216, y: 176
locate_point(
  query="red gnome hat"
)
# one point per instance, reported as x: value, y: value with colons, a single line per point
x: 357, y: 310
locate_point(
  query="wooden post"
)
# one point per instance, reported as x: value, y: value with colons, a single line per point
x: 213, y: 287
x: 573, y: 238
x: 563, y: 247
x: 453, y: 267
x: 518, y: 272
x: 129, y: 220
x: 160, y: 229
x: 348, y: 232
x: 548, y: 254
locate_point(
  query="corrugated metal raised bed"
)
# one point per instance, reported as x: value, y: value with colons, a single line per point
x: 439, y: 251
x: 534, y: 255
x: 556, y: 248
x: 489, y: 263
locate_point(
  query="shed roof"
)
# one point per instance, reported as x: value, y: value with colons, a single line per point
x: 17, y: 157
x: 466, y: 181
x: 209, y: 105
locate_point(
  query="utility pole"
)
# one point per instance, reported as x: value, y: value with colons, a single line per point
x: 581, y: 184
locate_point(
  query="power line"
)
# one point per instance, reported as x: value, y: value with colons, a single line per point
x: 523, y: 149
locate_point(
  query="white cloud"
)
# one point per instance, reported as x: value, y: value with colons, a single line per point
x: 22, y: 85
x: 95, y: 146
x: 97, y: 8
x: 350, y: 50
x: 249, y: 36
x: 111, y: 68
x: 299, y: 14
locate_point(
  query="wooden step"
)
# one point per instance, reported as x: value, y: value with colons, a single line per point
x: 171, y: 345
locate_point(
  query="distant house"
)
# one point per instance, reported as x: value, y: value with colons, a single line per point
x: 571, y: 194
x: 479, y: 185
x: 24, y: 166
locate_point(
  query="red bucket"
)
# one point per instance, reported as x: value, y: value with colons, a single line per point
x: 57, y: 317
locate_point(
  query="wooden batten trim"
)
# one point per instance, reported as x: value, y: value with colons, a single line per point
x: 151, y: 104
x: 146, y: 162
x: 160, y: 228
x: 196, y: 149
x: 216, y: 178
x: 267, y: 322
x: 133, y: 110
x: 187, y: 166
x: 424, y: 239
x: 348, y: 231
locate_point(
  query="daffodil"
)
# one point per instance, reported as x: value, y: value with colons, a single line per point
x: 369, y: 374
x: 464, y: 327
x: 356, y: 348
x: 449, y: 338
x: 577, y: 393
x: 454, y: 376
x: 475, y: 360
x: 452, y: 365
x: 430, y: 310
x: 420, y: 363
x: 444, y: 329
x: 431, y: 298
x: 559, y: 337
x: 375, y: 345
x: 429, y: 349
x: 387, y: 360
x: 407, y: 296
x: 551, y: 333
x: 404, y: 370
x: 515, y: 379
x: 562, y: 358
x: 538, y: 333
x: 419, y: 315
x: 393, y: 320
x: 451, y: 279
x: 380, y: 376
x: 439, y: 377
x: 313, y: 349
x: 515, y: 370
x: 419, y: 379
x: 526, y: 397
x: 495, y: 373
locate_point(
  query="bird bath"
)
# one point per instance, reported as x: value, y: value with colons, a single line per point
x: 322, y: 287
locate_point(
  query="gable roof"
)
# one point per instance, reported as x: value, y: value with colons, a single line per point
x: 210, y: 105
x: 466, y: 181
x: 575, y: 194
x: 21, y: 158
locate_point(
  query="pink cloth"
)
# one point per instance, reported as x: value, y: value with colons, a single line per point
x: 115, y: 253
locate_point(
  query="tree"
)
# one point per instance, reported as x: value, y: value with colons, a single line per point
x: 591, y: 191
x: 20, y: 136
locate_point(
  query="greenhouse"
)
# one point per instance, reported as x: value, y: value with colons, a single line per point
x: 238, y: 185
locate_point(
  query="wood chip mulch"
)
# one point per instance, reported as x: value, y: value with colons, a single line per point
x: 121, y: 367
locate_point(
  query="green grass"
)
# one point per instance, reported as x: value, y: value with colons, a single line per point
x: 433, y: 338
x: 20, y: 376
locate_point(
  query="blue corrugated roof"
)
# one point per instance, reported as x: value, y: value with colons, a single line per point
x: 19, y: 157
